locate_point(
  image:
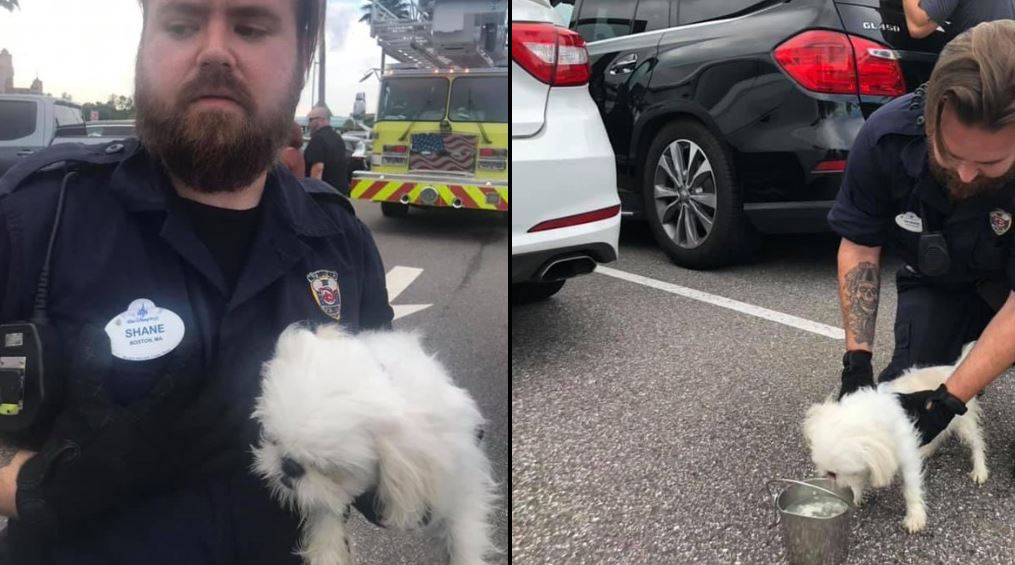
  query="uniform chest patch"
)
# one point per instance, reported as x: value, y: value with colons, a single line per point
x: 324, y: 287
x: 1000, y: 221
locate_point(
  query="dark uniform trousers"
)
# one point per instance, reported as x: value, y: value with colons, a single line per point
x: 932, y: 324
x: 890, y: 199
x: 124, y: 235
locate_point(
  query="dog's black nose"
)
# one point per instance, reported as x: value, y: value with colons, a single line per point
x: 291, y: 468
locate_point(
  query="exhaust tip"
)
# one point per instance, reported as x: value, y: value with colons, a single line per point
x: 404, y: 199
x: 567, y: 267
x: 456, y: 203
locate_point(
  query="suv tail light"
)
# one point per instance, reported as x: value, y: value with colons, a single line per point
x: 552, y: 54
x: 837, y: 63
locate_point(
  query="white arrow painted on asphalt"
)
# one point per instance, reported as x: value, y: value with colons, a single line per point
x: 399, y: 278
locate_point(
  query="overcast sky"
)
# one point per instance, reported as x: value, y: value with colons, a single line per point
x: 87, y: 47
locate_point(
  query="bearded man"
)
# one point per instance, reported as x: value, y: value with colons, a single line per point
x: 179, y: 257
x: 930, y: 177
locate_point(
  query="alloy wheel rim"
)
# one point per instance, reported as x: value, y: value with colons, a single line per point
x: 684, y: 193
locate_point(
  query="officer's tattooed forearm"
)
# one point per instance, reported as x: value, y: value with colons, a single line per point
x: 863, y: 285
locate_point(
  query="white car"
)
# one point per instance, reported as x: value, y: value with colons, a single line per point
x: 565, y: 212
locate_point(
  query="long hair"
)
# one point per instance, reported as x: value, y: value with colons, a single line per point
x: 975, y: 74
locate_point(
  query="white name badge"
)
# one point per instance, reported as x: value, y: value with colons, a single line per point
x: 144, y: 331
x: 910, y: 222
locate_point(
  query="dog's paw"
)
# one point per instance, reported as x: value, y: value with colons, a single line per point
x: 858, y: 497
x: 979, y: 476
x: 915, y: 520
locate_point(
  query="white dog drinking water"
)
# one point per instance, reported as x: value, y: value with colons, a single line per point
x: 341, y: 413
x: 867, y: 437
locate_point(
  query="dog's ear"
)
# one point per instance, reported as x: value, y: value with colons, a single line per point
x: 816, y: 416
x: 879, y: 455
x: 408, y: 469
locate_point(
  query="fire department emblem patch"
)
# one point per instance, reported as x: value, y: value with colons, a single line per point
x: 324, y: 287
x: 1000, y: 221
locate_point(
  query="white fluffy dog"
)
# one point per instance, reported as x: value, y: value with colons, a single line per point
x: 867, y: 437
x: 341, y: 413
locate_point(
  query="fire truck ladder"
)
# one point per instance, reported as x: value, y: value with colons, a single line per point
x: 443, y: 34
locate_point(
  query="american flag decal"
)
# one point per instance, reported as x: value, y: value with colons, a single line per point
x: 440, y: 152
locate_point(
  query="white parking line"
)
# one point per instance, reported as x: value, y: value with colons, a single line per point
x: 398, y: 279
x: 742, y: 307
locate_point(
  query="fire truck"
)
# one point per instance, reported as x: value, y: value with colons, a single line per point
x: 440, y: 137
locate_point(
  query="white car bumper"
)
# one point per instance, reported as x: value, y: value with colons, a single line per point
x: 565, y: 169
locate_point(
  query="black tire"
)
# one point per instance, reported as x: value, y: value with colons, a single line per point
x: 522, y: 293
x: 690, y: 241
x: 394, y: 210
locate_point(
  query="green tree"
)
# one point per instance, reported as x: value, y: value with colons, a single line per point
x: 398, y: 7
x: 9, y: 4
x: 115, y: 108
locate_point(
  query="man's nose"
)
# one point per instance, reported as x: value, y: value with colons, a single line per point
x: 291, y: 468
x: 967, y: 172
x: 215, y: 45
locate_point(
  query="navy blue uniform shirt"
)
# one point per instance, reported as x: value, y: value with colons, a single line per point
x: 888, y: 185
x: 961, y: 15
x: 124, y: 236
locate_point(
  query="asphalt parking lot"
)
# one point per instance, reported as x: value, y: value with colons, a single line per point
x: 645, y: 423
x: 463, y: 255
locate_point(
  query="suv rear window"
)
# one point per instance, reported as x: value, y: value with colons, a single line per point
x: 652, y: 15
x: 604, y: 19
x: 17, y: 119
x: 694, y: 11
x: 411, y: 99
x: 479, y: 99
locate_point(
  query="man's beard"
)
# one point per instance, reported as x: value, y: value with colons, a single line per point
x: 959, y: 190
x: 213, y: 150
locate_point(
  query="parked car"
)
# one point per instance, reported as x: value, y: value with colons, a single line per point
x: 99, y: 131
x: 356, y: 150
x: 110, y: 128
x: 29, y: 122
x: 565, y: 211
x: 733, y: 117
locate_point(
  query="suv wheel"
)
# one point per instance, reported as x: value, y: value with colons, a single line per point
x: 533, y: 291
x: 692, y: 202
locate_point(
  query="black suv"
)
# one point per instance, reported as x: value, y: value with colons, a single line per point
x: 732, y: 117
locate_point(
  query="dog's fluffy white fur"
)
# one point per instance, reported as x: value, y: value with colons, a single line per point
x: 867, y: 438
x: 373, y: 409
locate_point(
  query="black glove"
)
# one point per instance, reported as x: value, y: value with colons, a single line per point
x: 856, y: 372
x: 99, y: 454
x: 931, y: 410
